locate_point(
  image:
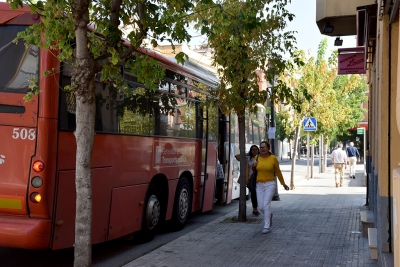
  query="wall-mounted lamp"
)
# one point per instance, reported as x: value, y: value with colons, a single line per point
x: 338, y: 41
x: 328, y: 28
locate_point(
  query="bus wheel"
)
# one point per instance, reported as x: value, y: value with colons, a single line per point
x: 151, y: 217
x: 153, y: 211
x: 182, y: 204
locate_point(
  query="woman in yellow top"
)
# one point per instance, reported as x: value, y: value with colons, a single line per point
x: 250, y: 159
x: 267, y: 166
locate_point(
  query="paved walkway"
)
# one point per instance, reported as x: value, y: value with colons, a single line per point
x: 316, y: 224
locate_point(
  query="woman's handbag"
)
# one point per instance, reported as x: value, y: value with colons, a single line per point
x: 251, y: 184
x: 247, y: 173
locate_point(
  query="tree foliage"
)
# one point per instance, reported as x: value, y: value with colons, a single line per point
x: 65, y: 29
x: 284, y: 125
x: 248, y: 39
x: 247, y: 36
x: 334, y: 100
x: 298, y: 107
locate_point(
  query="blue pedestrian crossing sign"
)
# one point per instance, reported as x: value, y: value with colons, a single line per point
x: 310, y: 124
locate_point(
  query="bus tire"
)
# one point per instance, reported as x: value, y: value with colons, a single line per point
x: 152, y: 215
x: 182, y: 204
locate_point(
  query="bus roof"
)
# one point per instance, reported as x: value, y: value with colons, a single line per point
x: 22, y: 16
x: 189, y: 71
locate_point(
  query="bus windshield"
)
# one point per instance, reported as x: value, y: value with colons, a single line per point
x: 19, y: 65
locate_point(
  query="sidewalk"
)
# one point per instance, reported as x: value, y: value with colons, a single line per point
x: 316, y: 224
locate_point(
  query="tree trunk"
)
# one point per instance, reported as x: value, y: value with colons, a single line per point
x: 83, y: 85
x: 242, y: 148
x: 295, y: 145
x: 83, y: 222
x: 324, y: 153
x: 312, y: 161
x: 298, y: 149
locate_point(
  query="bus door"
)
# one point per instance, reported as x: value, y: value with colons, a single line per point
x: 209, y: 155
x: 224, y: 155
x: 207, y: 176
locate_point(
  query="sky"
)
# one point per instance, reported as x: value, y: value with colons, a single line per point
x: 308, y: 36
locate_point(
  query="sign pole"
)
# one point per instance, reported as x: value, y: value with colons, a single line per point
x: 362, y: 131
x: 308, y: 155
x: 309, y: 124
x: 320, y: 153
x: 364, y: 145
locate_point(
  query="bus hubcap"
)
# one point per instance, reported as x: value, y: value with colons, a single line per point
x: 153, y: 212
x: 183, y: 203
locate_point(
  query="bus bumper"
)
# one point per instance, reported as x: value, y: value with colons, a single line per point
x: 24, y: 232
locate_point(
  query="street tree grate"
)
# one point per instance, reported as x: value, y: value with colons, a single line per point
x: 248, y: 220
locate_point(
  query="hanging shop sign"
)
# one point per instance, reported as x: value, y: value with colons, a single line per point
x: 351, y: 60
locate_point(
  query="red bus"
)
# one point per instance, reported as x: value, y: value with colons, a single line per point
x: 154, y: 155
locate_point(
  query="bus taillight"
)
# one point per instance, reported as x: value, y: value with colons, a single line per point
x: 38, y: 166
x: 36, y: 197
x: 37, y: 182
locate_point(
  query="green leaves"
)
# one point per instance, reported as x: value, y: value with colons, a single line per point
x: 34, y: 90
x: 156, y: 20
x: 180, y: 57
x: 147, y: 70
x: 334, y: 100
x: 246, y: 39
x: 15, y: 4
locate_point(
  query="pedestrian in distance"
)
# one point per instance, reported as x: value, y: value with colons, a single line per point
x: 267, y: 166
x: 250, y: 158
x: 220, y: 176
x: 339, y: 158
x: 353, y: 157
x: 220, y: 170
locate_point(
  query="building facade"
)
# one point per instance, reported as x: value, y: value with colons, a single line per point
x: 376, y: 25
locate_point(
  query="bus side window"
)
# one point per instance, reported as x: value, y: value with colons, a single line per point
x: 67, y: 118
x: 213, y: 121
x: 160, y: 114
x: 133, y: 112
x: 187, y: 117
x: 107, y: 98
x: 182, y: 118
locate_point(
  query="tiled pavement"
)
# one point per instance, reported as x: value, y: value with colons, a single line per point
x: 316, y: 224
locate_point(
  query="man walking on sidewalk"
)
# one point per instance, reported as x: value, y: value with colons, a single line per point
x: 353, y: 155
x: 338, y: 160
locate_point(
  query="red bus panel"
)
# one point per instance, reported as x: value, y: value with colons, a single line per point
x: 18, y: 112
x: 21, y: 16
x: 20, y: 148
x: 208, y: 201
x: 127, y: 209
x: 24, y: 232
x: 64, y: 232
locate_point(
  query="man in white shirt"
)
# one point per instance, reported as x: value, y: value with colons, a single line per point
x: 339, y: 158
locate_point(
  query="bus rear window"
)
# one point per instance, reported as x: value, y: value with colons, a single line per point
x: 19, y: 65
